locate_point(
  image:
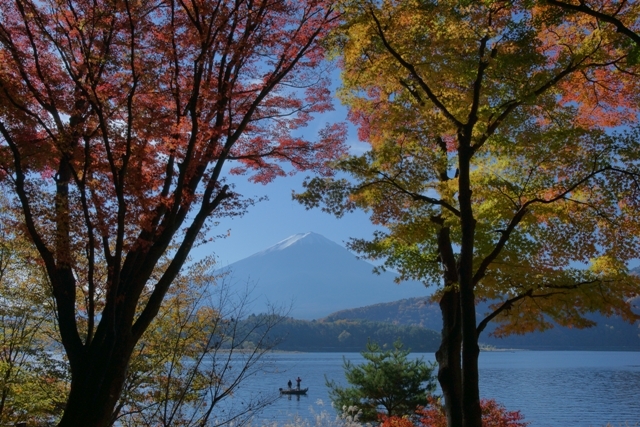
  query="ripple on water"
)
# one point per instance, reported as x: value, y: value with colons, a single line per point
x: 551, y: 389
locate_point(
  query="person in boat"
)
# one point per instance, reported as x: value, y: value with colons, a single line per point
x: 289, y: 384
x: 298, y: 383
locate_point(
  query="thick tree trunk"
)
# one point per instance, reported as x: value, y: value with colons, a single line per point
x: 96, y: 383
x: 470, y: 351
x: 472, y: 415
x: 448, y: 357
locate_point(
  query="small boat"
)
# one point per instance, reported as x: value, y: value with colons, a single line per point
x: 294, y: 391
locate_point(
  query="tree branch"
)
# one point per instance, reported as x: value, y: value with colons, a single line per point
x: 583, y: 8
x: 414, y: 73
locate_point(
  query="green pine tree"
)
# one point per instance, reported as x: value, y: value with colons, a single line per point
x: 387, y: 382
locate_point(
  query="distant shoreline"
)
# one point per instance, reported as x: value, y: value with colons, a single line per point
x: 484, y: 350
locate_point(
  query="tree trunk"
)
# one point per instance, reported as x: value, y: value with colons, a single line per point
x: 448, y: 357
x: 96, y: 383
x: 472, y: 415
x: 470, y: 351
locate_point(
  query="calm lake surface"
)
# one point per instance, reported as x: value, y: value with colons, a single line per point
x: 550, y: 388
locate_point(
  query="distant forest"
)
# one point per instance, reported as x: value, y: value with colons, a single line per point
x: 611, y: 333
x: 416, y: 323
x: 344, y: 335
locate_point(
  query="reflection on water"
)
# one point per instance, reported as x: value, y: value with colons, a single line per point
x: 294, y: 396
x: 551, y: 389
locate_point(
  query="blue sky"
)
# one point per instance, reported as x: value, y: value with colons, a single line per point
x: 275, y: 219
x: 279, y: 217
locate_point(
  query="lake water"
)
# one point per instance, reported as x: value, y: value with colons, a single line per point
x: 550, y: 388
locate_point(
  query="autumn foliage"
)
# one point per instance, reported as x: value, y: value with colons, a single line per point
x: 493, y: 415
x: 433, y: 415
x: 503, y: 165
x: 395, y: 421
x: 122, y: 124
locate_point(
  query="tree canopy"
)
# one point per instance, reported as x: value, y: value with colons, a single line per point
x: 388, y: 381
x: 503, y: 165
x: 33, y: 375
x: 119, y: 123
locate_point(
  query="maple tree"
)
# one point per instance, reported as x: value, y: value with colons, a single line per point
x: 494, y: 166
x: 120, y: 122
x: 621, y: 15
x: 493, y: 415
x: 33, y: 376
x: 195, y: 356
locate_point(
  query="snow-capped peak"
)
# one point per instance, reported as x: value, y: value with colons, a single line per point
x: 283, y: 244
x: 288, y: 241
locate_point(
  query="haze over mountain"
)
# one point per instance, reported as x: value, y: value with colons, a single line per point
x: 610, y: 333
x: 317, y: 276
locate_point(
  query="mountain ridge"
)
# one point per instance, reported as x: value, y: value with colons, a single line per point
x: 610, y: 333
x: 317, y: 276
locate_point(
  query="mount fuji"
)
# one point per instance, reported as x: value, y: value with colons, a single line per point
x: 316, y: 277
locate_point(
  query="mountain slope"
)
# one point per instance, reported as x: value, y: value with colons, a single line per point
x: 611, y: 333
x: 317, y: 276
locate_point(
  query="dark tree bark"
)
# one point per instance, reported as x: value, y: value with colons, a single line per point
x: 97, y: 386
x: 472, y: 415
x: 136, y: 108
x: 448, y: 357
x: 448, y: 354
